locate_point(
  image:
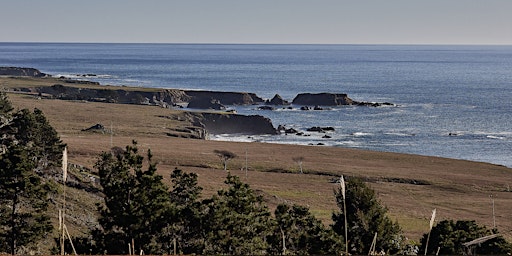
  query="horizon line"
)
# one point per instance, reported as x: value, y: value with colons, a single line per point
x: 233, y: 43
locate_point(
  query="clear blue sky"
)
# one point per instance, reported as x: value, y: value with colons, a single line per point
x: 258, y: 21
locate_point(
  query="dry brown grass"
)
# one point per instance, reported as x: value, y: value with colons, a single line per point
x: 458, y: 189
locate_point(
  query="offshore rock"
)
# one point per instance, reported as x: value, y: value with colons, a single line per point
x: 331, y: 99
x: 277, y: 100
x: 322, y: 99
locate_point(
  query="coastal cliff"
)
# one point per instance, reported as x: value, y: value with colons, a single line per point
x: 225, y: 123
x: 17, y: 71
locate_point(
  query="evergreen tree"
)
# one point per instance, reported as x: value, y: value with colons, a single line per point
x: 38, y: 137
x: 187, y: 224
x: 5, y: 109
x: 136, y: 206
x: 238, y: 221
x: 450, y: 235
x: 23, y: 201
x: 365, y: 217
x: 301, y: 233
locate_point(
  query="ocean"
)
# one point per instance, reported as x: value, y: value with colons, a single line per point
x: 450, y: 100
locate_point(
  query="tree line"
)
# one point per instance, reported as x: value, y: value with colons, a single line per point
x: 140, y: 213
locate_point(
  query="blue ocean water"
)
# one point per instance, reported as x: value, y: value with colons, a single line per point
x: 438, y: 90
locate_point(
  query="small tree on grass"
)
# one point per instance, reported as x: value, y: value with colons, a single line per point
x: 299, y: 160
x: 225, y: 156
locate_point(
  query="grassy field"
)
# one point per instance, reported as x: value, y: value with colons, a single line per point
x: 458, y: 189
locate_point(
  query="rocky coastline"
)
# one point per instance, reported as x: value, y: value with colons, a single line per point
x: 209, y: 108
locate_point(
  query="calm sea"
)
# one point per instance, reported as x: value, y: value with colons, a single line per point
x: 438, y: 90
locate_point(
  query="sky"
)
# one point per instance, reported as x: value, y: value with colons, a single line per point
x: 258, y: 21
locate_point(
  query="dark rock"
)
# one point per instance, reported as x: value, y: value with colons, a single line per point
x: 304, y: 108
x: 326, y: 137
x: 290, y: 130
x: 202, y: 103
x: 266, y: 108
x: 17, y: 71
x: 227, y: 98
x: 322, y: 99
x: 320, y: 129
x: 374, y: 104
x: 277, y: 100
x: 221, y: 123
x: 318, y: 108
x: 315, y: 129
x: 72, y: 81
x: 95, y: 128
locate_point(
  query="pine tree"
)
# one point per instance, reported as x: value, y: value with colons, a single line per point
x: 365, y: 217
x: 137, y: 205
x: 238, y: 221
x: 449, y: 235
x: 38, y: 137
x: 23, y: 201
x: 187, y: 223
x: 301, y: 233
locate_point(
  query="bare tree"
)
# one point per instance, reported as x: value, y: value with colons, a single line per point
x: 299, y: 160
x: 225, y: 156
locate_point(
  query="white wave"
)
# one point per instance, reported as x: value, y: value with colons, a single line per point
x: 361, y: 134
x: 400, y: 134
x: 495, y: 137
x: 103, y: 76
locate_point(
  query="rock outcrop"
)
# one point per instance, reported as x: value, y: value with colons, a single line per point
x: 226, y: 98
x: 164, y: 98
x: 206, y: 104
x: 16, y: 71
x: 331, y: 99
x: 222, y: 123
x: 277, y: 100
x: 322, y: 99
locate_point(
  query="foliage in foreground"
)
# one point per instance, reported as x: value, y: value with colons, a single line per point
x: 449, y: 236
x: 365, y: 217
x: 29, y: 148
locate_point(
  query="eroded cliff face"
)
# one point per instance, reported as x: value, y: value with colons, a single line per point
x: 163, y: 97
x: 226, y: 98
x: 17, y: 71
x: 225, y: 123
